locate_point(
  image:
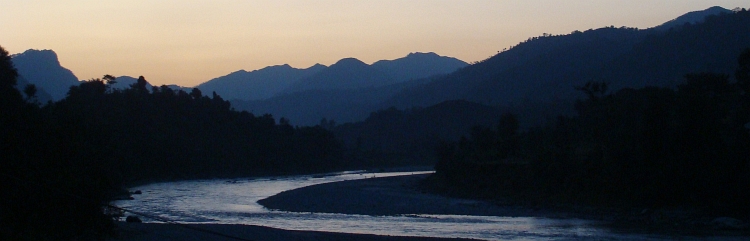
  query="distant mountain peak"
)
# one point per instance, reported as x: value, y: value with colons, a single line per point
x: 422, y: 54
x: 43, y: 69
x: 317, y: 65
x: 349, y: 62
x: 692, y: 17
x: 45, y: 56
x: 281, y: 66
x: 257, y: 84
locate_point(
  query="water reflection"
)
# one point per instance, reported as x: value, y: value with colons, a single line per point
x: 235, y: 202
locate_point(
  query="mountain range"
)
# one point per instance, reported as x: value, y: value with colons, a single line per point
x: 536, y: 80
x: 43, y: 69
x: 257, y: 84
x: 346, y: 74
x: 547, y: 69
x: 350, y: 89
x: 537, y: 77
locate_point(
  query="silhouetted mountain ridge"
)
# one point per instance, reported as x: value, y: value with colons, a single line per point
x: 352, y: 73
x: 692, y: 18
x: 415, y: 65
x: 547, y: 69
x: 535, y: 76
x: 518, y: 73
x: 347, y: 73
x: 43, y: 69
x: 257, y: 84
x: 350, y: 89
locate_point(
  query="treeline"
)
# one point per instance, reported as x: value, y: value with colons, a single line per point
x: 171, y: 134
x: 648, y: 147
x: 393, y: 137
x: 62, y: 162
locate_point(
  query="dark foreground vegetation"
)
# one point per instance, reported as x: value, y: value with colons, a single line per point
x: 683, y: 146
x: 61, y: 163
x: 649, y: 148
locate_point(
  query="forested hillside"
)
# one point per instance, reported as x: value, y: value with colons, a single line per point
x: 544, y: 70
x: 394, y: 137
x: 649, y: 147
x: 64, y: 161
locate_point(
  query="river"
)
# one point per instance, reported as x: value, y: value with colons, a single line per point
x: 234, y: 201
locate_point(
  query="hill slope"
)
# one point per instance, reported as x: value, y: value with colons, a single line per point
x: 350, y: 89
x: 351, y: 73
x: 257, y: 84
x: 547, y: 69
x: 43, y: 69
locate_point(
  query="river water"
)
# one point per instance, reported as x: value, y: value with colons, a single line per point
x: 234, y: 201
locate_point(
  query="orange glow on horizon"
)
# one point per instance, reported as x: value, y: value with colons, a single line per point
x: 189, y: 42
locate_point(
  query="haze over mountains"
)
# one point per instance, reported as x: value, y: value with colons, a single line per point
x: 349, y: 89
x: 257, y: 84
x: 536, y: 78
x: 346, y: 74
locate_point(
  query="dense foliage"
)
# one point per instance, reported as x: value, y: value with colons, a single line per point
x: 169, y: 134
x: 543, y: 69
x: 393, y: 137
x: 648, y: 147
x: 63, y: 162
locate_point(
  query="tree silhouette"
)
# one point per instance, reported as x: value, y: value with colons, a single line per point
x: 109, y: 79
x: 140, y: 85
x: 30, y: 91
x: 593, y: 89
x: 743, y: 71
x: 196, y: 93
x: 8, y: 73
x: 8, y: 78
x: 649, y: 147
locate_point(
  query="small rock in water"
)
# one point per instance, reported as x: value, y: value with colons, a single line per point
x: 137, y: 192
x: 133, y: 219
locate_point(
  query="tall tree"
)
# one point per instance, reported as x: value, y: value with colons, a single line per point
x: 743, y: 71
x: 9, y: 95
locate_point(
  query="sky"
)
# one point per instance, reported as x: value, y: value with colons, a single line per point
x: 187, y: 42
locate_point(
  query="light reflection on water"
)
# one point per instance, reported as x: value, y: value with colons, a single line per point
x: 235, y: 202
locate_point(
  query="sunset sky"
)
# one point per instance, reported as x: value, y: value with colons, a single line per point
x: 188, y: 42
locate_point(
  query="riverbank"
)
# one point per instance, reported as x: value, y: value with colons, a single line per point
x: 408, y: 195
x: 390, y: 196
x: 221, y: 232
